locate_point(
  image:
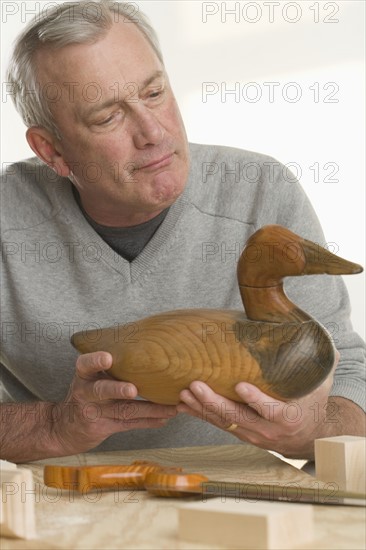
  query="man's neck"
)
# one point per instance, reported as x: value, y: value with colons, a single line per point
x: 109, y: 218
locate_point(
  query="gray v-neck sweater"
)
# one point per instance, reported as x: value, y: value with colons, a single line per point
x: 128, y: 242
x: 59, y: 276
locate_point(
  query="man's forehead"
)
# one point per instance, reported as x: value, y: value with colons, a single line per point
x: 122, y: 53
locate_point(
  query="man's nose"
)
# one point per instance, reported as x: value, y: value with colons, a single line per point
x: 147, y: 129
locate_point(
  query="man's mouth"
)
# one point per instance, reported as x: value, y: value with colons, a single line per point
x: 158, y: 163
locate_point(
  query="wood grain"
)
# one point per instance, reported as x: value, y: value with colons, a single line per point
x: 17, y: 517
x: 247, y: 525
x: 135, y: 520
x: 275, y: 345
x: 342, y: 460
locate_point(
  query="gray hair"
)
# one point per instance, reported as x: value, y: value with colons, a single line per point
x: 69, y: 23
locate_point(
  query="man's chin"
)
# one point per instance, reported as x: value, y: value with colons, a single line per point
x: 165, y: 189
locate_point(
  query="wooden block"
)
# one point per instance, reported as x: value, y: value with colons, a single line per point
x: 17, y: 518
x: 6, y: 465
x: 342, y: 460
x: 246, y: 525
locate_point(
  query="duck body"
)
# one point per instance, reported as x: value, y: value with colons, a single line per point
x: 220, y: 347
x: 275, y: 346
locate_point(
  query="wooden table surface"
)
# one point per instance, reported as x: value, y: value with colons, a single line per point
x: 135, y: 520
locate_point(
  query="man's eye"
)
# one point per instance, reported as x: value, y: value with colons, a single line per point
x: 105, y: 121
x: 109, y: 119
x: 156, y: 93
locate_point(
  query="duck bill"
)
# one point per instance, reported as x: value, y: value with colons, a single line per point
x: 320, y: 260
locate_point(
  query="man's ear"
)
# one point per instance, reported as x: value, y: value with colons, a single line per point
x: 42, y: 142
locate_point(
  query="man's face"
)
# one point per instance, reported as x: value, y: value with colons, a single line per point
x: 122, y: 135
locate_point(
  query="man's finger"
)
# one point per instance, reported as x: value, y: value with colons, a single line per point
x: 113, y: 389
x: 143, y: 424
x: 135, y: 410
x: 89, y: 364
x: 190, y: 400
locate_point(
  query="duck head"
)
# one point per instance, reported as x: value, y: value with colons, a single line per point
x: 275, y: 252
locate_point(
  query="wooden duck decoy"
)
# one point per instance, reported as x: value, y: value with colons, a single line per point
x: 276, y: 346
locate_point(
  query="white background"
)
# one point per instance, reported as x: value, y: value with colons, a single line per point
x: 311, y: 49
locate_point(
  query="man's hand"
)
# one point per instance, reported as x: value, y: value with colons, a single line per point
x: 96, y: 407
x: 288, y: 428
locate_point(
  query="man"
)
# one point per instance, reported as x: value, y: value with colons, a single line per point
x: 116, y: 229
